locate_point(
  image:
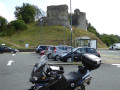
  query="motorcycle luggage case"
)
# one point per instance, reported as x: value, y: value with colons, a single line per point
x: 91, y: 61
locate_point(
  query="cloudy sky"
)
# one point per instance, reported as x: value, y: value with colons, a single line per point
x: 104, y: 15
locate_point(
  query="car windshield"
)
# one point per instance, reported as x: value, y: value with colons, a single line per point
x: 91, y: 50
x: 43, y: 47
x: 75, y: 49
x: 61, y: 48
x: 5, y: 47
x: 64, y: 48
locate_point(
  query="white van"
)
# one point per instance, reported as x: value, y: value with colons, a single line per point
x: 115, y: 46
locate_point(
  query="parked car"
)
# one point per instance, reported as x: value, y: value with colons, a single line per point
x: 115, y: 46
x: 42, y: 52
x: 77, y: 54
x: 4, y: 49
x: 69, y: 48
x: 58, y: 50
x: 41, y: 47
x: 49, y: 51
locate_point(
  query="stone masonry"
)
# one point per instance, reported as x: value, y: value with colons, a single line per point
x: 79, y: 19
x: 58, y: 15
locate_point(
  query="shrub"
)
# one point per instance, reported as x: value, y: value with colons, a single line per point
x: 18, y: 25
x: 3, y: 24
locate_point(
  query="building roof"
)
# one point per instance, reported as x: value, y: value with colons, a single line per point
x: 83, y: 38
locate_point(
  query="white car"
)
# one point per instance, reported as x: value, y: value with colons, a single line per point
x: 115, y: 46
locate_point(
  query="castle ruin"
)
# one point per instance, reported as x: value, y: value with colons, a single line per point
x: 79, y: 19
x: 58, y: 15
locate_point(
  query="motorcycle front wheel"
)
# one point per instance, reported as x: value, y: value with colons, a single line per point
x: 80, y: 88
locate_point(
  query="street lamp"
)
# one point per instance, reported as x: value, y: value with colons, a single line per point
x: 64, y: 35
x: 41, y: 29
x: 71, y: 31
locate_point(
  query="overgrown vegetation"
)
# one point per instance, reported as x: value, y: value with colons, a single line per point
x: 3, y: 24
x: 25, y: 14
x: 51, y: 35
x: 18, y: 25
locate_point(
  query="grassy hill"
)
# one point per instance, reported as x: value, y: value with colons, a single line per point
x: 51, y: 35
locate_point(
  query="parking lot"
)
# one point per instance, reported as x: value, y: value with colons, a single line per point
x: 110, y: 56
x: 16, y: 76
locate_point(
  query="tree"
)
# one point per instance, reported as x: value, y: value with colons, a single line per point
x: 91, y: 29
x: 25, y: 12
x: 3, y: 24
x: 106, y: 40
x: 110, y: 39
x: 18, y: 25
x: 38, y: 13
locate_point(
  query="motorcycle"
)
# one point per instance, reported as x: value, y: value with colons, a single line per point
x: 45, y: 77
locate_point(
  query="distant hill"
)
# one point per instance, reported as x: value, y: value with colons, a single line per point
x: 51, y: 35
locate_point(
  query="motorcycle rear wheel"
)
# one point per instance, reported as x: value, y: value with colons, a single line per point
x: 80, y: 88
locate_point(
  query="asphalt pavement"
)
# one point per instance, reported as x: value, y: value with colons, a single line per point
x: 110, y: 56
x: 15, y: 70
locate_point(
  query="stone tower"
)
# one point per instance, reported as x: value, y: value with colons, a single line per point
x: 57, y: 15
x: 79, y: 19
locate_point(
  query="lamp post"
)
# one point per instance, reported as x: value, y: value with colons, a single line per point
x: 41, y: 30
x: 64, y: 35
x: 71, y: 31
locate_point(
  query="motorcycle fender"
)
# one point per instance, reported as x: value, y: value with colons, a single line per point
x: 84, y: 81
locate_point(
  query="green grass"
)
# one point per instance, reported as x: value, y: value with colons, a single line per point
x: 51, y: 35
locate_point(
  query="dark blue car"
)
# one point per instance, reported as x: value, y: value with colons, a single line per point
x: 77, y: 54
x: 6, y: 49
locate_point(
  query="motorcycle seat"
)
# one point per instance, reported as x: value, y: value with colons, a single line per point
x: 73, y: 76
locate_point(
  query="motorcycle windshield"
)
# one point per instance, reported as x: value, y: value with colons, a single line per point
x: 40, y: 64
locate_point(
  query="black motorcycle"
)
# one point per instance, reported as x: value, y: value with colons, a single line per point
x: 45, y: 77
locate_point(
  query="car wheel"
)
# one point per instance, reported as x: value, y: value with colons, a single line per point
x: 69, y: 59
x: 12, y: 52
x: 57, y: 58
x: 1, y: 52
x: 49, y: 56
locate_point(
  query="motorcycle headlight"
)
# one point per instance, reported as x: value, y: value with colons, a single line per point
x: 43, y: 77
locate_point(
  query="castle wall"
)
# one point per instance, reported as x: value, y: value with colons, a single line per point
x: 82, y: 20
x: 57, y: 15
x: 79, y: 19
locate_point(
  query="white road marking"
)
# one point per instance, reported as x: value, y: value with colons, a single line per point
x: 10, y: 62
x: 13, y: 54
x: 118, y: 65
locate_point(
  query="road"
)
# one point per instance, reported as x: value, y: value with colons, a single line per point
x: 110, y: 56
x: 15, y: 71
x: 16, y: 76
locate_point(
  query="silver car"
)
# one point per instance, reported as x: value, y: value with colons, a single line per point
x: 58, y: 50
x: 49, y: 51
